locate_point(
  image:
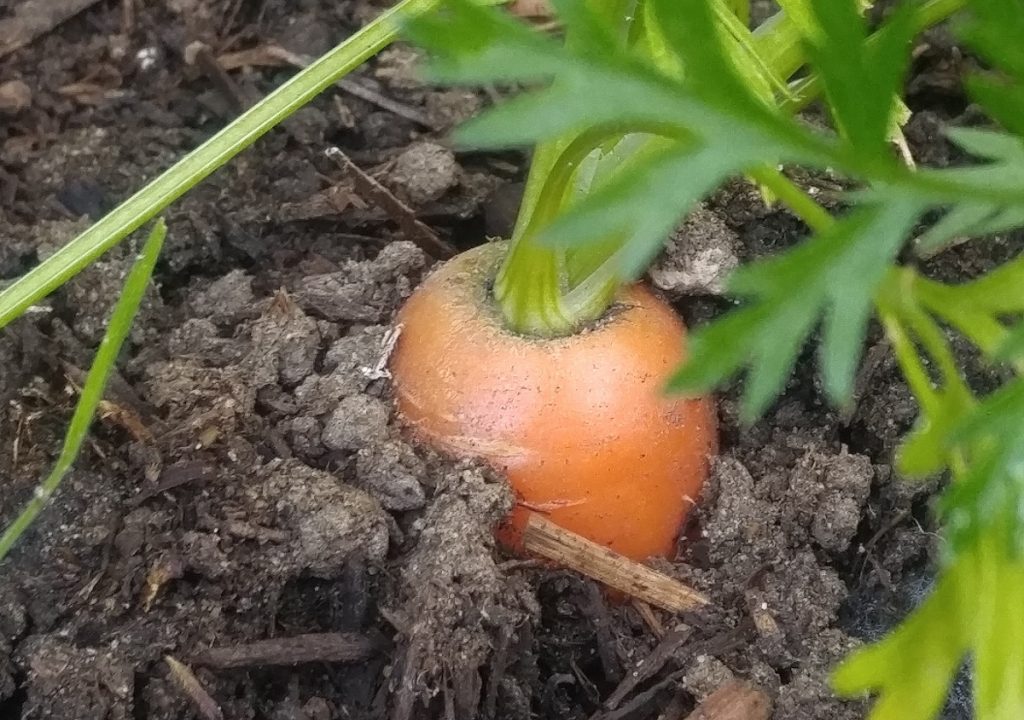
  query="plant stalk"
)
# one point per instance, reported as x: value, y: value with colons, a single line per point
x: 534, y: 280
x: 95, y: 383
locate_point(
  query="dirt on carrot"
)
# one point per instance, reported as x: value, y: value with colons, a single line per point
x: 276, y: 497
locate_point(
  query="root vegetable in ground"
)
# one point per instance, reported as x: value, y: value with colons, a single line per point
x: 579, y: 424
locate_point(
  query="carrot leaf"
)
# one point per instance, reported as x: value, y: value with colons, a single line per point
x: 712, y: 111
x: 830, y: 278
x: 860, y: 78
x: 975, y: 607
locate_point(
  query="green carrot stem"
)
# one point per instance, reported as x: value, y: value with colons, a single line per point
x: 533, y: 281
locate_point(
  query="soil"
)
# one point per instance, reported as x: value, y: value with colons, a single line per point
x: 247, y: 480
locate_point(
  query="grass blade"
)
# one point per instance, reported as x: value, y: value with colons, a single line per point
x: 95, y: 383
x: 204, y: 160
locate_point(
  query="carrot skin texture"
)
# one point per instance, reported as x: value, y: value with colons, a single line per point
x: 579, y: 424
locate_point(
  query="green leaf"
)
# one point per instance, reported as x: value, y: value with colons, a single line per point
x: 993, y: 28
x: 95, y: 383
x: 875, y: 238
x: 801, y: 14
x: 1012, y: 349
x: 959, y: 222
x: 988, y: 144
x: 600, y: 84
x: 832, y: 278
x: 974, y: 608
x: 644, y: 201
x: 741, y: 9
x: 861, y: 79
x: 1003, y: 100
x: 969, y: 217
x: 998, y: 292
x: 720, y: 355
x: 926, y: 451
x: 911, y: 669
x: 711, y: 70
x: 990, y: 495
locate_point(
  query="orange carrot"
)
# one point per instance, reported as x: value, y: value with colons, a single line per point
x: 579, y: 424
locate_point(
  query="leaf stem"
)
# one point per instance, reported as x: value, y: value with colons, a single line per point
x: 533, y: 282
x: 793, y: 196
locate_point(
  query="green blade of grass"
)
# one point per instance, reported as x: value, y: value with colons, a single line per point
x: 204, y: 160
x: 95, y: 383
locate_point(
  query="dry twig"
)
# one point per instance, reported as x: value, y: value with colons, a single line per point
x: 315, y: 647
x: 649, y: 666
x: 650, y: 619
x: 542, y: 537
x: 734, y: 700
x: 275, y: 55
x: 414, y: 230
x: 199, y: 54
x: 127, y: 17
x: 190, y: 685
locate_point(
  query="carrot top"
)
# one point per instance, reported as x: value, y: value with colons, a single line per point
x: 648, y: 106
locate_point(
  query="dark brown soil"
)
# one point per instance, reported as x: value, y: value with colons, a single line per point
x: 247, y: 481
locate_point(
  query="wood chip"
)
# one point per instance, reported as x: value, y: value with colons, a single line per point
x: 353, y: 87
x: 167, y: 568
x: 649, y: 666
x: 185, y: 679
x: 764, y: 621
x: 127, y: 17
x: 178, y: 474
x: 596, y: 610
x: 259, y: 56
x: 271, y: 55
x: 644, y: 703
x: 735, y: 700
x: 35, y: 18
x: 546, y: 539
x: 314, y: 647
x: 332, y: 201
x: 15, y: 96
x: 200, y: 55
x: 499, y: 664
x: 126, y: 418
x: 647, y: 615
x: 372, y: 191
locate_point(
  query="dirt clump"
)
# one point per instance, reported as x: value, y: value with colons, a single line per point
x: 327, y: 521
x: 457, y: 601
x: 423, y: 172
x: 698, y: 256
x: 67, y: 681
x: 763, y: 528
x: 364, y: 291
x: 391, y: 471
x: 13, y: 624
